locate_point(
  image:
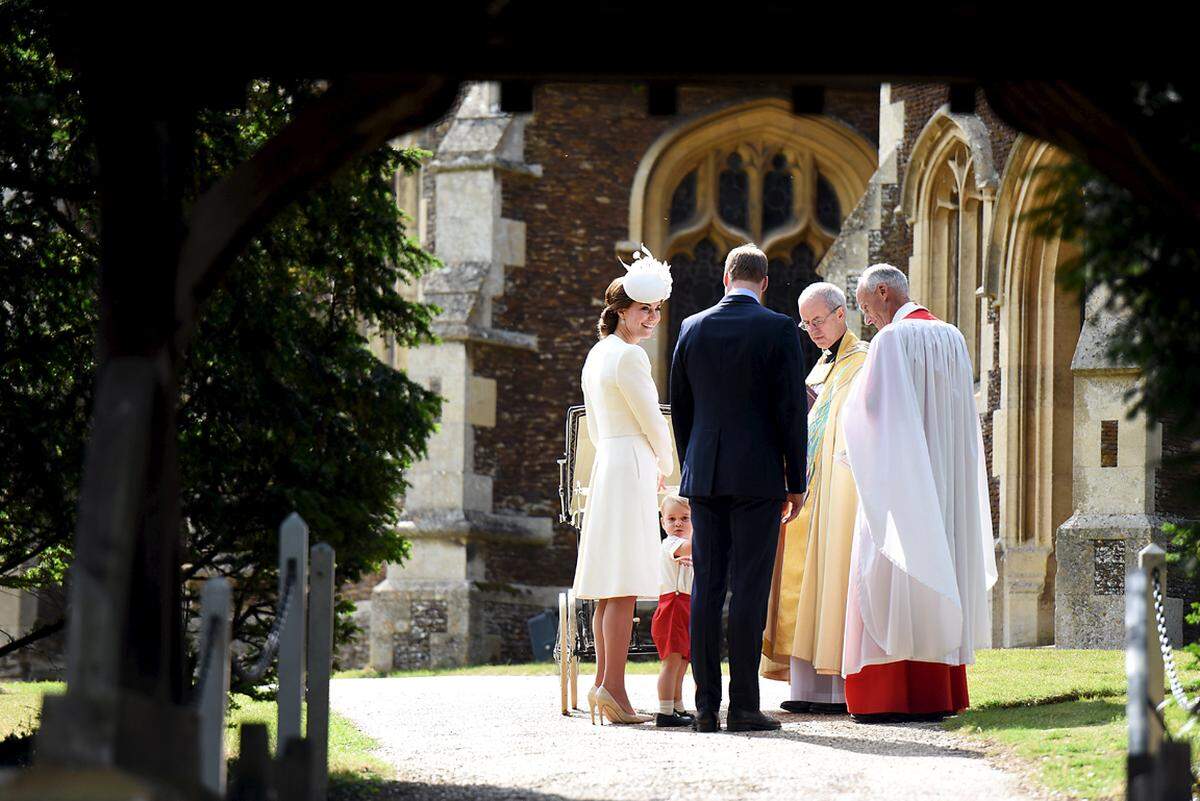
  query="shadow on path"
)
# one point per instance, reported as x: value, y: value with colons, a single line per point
x: 422, y: 791
x: 875, y: 747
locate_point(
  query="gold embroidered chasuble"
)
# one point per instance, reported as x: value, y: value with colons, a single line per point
x: 807, y: 611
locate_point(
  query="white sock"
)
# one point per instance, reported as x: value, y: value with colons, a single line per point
x: 679, y: 707
x: 665, y: 707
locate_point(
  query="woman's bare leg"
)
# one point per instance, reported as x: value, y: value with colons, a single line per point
x: 618, y: 623
x: 667, y: 677
x: 598, y: 639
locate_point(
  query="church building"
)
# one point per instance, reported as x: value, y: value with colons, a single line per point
x: 529, y: 214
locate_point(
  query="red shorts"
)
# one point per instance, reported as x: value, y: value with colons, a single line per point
x: 669, y: 626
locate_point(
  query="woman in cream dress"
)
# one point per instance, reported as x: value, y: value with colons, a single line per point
x: 619, y: 544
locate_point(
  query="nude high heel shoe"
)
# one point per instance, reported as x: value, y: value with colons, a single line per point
x: 610, y: 708
x: 591, y: 699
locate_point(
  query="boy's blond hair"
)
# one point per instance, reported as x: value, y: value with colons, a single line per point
x: 679, y: 499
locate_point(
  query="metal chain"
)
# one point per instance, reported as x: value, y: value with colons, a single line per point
x: 271, y: 646
x: 1164, y: 645
x: 206, y: 659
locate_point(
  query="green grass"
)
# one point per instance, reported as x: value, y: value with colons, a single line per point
x: 1062, y: 712
x: 353, y: 768
x: 21, y: 705
x: 351, y: 761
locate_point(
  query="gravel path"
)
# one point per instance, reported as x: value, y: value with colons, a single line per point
x: 502, y: 737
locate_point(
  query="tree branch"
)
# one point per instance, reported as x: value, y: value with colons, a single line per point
x: 355, y: 115
x: 16, y: 561
x: 71, y: 229
x: 32, y: 637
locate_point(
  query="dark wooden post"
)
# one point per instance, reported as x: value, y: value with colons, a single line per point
x: 125, y: 633
x: 252, y: 778
x: 144, y: 156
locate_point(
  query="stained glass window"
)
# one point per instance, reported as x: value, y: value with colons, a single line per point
x: 829, y: 211
x: 777, y: 195
x: 734, y: 193
x: 789, y: 274
x: 757, y: 190
x: 697, y: 283
x: 683, y: 201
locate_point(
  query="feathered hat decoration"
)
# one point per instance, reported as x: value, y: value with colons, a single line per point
x: 647, y: 280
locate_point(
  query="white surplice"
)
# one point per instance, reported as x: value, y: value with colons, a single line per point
x: 923, y: 558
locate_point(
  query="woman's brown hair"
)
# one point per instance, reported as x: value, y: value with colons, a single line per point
x: 615, y: 300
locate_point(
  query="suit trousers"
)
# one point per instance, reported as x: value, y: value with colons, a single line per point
x: 733, y: 547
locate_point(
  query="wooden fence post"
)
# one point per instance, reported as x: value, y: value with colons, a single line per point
x: 1150, y: 559
x: 293, y: 547
x: 215, y: 608
x: 320, y: 663
x: 292, y: 771
x: 252, y: 780
x: 1138, y: 763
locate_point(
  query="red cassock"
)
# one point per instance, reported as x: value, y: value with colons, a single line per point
x: 908, y: 687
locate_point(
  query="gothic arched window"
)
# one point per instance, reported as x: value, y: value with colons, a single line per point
x: 948, y: 195
x: 749, y: 192
x: 751, y: 172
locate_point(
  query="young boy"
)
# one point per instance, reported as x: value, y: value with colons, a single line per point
x: 669, y: 628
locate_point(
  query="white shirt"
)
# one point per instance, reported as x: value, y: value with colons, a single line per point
x: 675, y: 577
x: 740, y: 290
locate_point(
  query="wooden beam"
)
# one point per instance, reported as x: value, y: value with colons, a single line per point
x: 1099, y: 124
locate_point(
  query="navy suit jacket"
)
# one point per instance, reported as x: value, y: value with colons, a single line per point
x: 738, y: 402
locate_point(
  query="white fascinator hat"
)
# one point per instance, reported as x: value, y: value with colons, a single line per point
x: 646, y: 279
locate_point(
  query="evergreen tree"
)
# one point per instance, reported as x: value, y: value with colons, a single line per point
x: 282, y: 405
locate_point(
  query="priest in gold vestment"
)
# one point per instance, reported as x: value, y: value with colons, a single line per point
x: 806, y: 618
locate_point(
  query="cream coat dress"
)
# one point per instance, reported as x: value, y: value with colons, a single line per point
x: 619, y: 545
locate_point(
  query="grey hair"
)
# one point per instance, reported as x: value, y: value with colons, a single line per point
x: 833, y: 296
x: 883, y: 274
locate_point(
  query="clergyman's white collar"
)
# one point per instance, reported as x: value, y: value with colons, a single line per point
x: 905, y: 310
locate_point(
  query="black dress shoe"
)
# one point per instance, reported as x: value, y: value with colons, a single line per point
x: 672, y: 721
x: 706, y: 722
x: 827, y: 709
x: 879, y: 717
x: 747, y: 720
x: 795, y: 706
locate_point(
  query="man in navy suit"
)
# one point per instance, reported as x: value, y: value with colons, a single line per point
x: 739, y: 413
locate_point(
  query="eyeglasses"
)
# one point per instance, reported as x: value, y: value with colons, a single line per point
x: 817, y: 322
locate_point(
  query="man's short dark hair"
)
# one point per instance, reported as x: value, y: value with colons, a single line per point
x: 746, y: 263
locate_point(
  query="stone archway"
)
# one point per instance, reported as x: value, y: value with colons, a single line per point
x: 750, y: 172
x: 1033, y: 428
x: 947, y: 196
